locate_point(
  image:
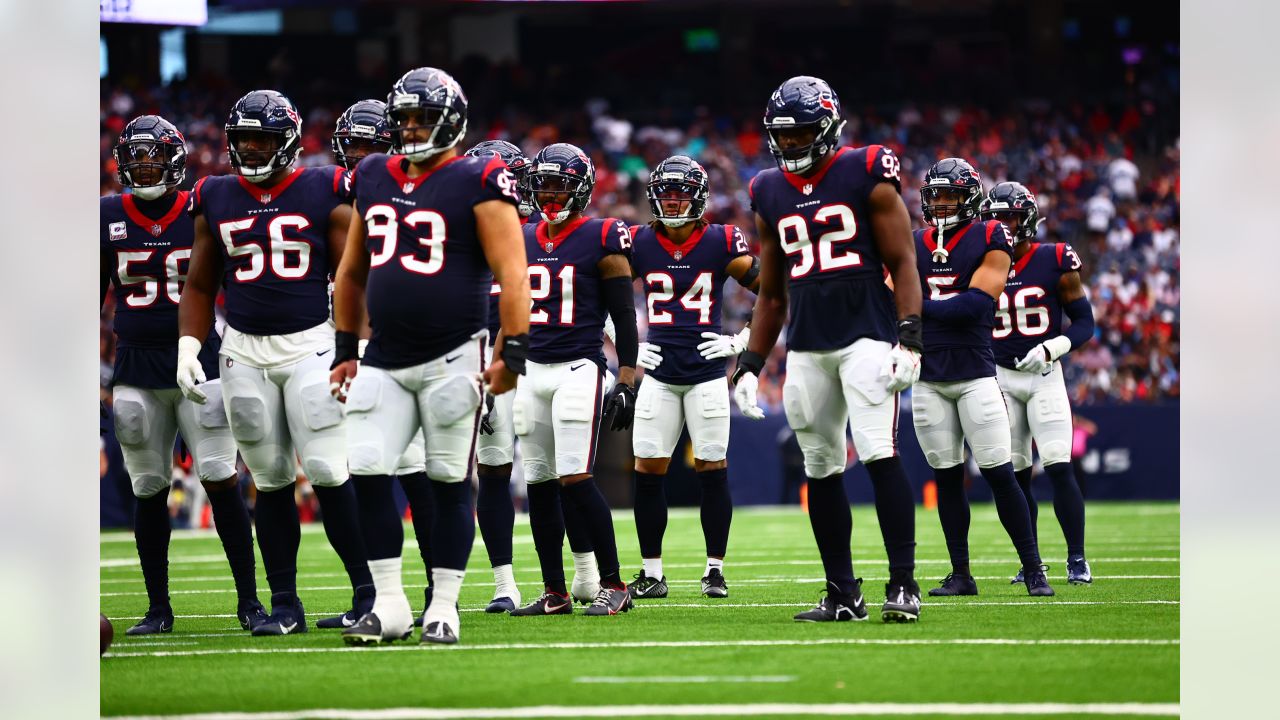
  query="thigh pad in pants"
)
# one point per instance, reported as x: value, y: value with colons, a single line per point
x: 816, y: 411
x: 985, y: 420
x: 499, y: 447
x: 205, y: 430
x: 708, y: 419
x: 574, y: 410
x: 1049, y: 413
x: 145, y: 428
x: 255, y: 410
x: 382, y: 422
x: 658, y: 420
x: 937, y: 422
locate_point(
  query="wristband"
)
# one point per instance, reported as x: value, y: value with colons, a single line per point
x: 748, y: 362
x: 346, y: 346
x: 911, y: 333
x: 515, y: 351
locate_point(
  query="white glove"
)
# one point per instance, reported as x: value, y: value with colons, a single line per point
x: 901, y: 368
x: 649, y: 356
x: 744, y: 393
x: 610, y: 330
x: 722, y: 346
x: 190, y: 373
x: 1042, y: 357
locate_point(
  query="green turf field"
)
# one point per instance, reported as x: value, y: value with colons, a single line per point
x: 1107, y: 649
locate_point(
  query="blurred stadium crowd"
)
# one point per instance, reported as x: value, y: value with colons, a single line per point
x: 1107, y: 180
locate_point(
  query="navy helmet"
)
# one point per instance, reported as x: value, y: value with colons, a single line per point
x: 442, y: 104
x: 559, y: 168
x: 803, y: 102
x: 513, y: 156
x: 151, y: 156
x: 264, y: 111
x: 1013, y: 198
x: 361, y: 130
x: 683, y: 175
x: 951, y: 174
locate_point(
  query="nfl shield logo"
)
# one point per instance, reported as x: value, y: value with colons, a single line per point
x: 549, y: 246
x: 678, y: 255
x: 807, y: 189
x: 264, y: 197
x: 408, y: 187
x: 156, y: 230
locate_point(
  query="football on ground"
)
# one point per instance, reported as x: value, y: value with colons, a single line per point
x: 1110, y: 647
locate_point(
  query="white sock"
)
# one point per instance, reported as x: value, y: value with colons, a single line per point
x: 652, y: 567
x: 714, y: 563
x: 444, y: 599
x: 584, y: 567
x: 504, y: 581
x: 391, y: 600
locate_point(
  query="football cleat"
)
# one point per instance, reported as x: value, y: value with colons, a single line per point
x: 548, y: 603
x: 647, y: 588
x: 1078, y: 572
x: 838, y: 607
x: 713, y: 585
x: 250, y: 613
x: 157, y: 620
x: 1019, y: 579
x: 287, y: 616
x: 611, y: 601
x: 901, y: 603
x: 368, y: 630
x: 361, y: 603
x: 1037, y: 583
x: 438, y: 632
x: 500, y: 605
x: 954, y: 584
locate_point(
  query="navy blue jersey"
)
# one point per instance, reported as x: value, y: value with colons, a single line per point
x: 682, y: 287
x: 148, y: 259
x: 567, y: 319
x: 495, y: 315
x: 275, y: 246
x: 429, y: 280
x: 1029, y: 310
x: 950, y: 352
x: 835, y: 277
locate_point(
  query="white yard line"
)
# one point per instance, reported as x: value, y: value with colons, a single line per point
x: 899, y: 642
x: 722, y: 710
x: 683, y: 679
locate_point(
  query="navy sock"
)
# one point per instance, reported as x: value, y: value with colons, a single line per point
x: 275, y: 515
x: 1024, y: 482
x: 594, y: 511
x: 546, y: 522
x: 454, y: 531
x: 342, y: 526
x: 575, y: 527
x: 495, y: 514
x: 231, y: 518
x: 650, y: 509
x: 380, y: 524
x: 1011, y: 506
x: 832, y: 523
x: 422, y: 505
x: 953, y: 513
x: 1068, y: 505
x: 717, y: 511
x: 896, y: 512
x: 151, y: 532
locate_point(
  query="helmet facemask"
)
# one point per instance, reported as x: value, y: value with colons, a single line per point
x: 805, y: 157
x: 962, y: 207
x: 676, y: 203
x: 148, y: 167
x: 257, y: 165
x: 420, y: 132
x: 555, y: 195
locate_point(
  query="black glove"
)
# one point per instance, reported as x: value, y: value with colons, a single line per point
x: 346, y: 346
x: 748, y: 362
x: 911, y: 333
x: 486, y: 426
x: 622, y: 403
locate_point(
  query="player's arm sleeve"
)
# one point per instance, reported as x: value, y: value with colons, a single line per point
x: 619, y: 299
x: 967, y: 308
x: 1074, y: 301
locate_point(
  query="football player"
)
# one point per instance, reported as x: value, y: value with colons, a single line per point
x: 270, y: 234
x: 495, y: 514
x: 430, y: 224
x: 683, y: 262
x: 145, y: 249
x: 578, y: 272
x: 830, y: 221
x: 964, y: 262
x: 361, y: 130
x: 1028, y: 343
